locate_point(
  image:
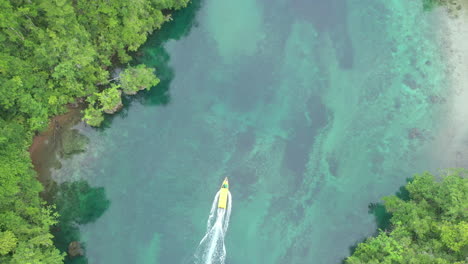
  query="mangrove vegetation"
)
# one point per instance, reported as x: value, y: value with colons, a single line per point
x: 429, y: 224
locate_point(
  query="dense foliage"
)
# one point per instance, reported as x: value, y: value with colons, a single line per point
x: 108, y: 101
x: 138, y: 78
x: 24, y: 221
x: 52, y: 52
x: 132, y: 80
x: 429, y: 227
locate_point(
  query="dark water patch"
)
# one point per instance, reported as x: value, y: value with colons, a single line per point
x: 159, y: 59
x: 410, y: 81
x: 293, y: 210
x: 344, y: 48
x: 318, y: 112
x: 382, y: 217
x: 298, y: 213
x: 325, y: 15
x: 418, y: 134
x: 330, y: 17
x: 437, y: 99
x: 244, y: 96
x: 77, y: 204
x: 245, y: 176
x: 402, y: 192
x: 299, y: 145
x: 297, y: 251
x: 397, y: 103
x: 317, y: 185
x: 333, y: 164
x: 376, y: 85
x: 377, y: 163
x: 297, y: 149
x: 246, y: 140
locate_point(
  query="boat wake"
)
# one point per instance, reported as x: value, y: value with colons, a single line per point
x: 211, y: 249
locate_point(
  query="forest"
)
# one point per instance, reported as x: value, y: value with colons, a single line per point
x: 54, y: 53
x: 428, y: 223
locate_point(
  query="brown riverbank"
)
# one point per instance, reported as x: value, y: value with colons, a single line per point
x: 45, y: 148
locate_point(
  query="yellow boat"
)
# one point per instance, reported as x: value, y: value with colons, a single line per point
x: 223, y: 194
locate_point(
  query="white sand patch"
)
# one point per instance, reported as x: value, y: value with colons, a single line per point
x: 451, y: 142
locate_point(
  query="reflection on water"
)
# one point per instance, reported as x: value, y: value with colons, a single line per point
x: 78, y: 204
x: 180, y: 26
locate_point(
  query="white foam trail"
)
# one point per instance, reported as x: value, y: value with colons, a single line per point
x: 211, y: 217
x: 228, y: 213
x: 211, y: 249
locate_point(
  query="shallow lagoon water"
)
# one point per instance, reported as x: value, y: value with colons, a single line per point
x: 313, y: 109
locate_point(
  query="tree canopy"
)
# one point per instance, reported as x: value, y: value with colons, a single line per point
x: 108, y: 101
x: 138, y: 78
x: 429, y: 227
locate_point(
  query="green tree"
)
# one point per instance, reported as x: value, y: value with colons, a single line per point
x: 381, y: 249
x: 138, y: 78
x: 110, y: 99
x: 430, y: 227
x: 8, y: 242
x: 93, y: 116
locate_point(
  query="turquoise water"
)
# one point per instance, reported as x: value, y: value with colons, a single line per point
x: 313, y: 109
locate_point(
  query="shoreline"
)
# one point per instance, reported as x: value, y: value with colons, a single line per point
x: 44, y: 147
x: 451, y: 140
